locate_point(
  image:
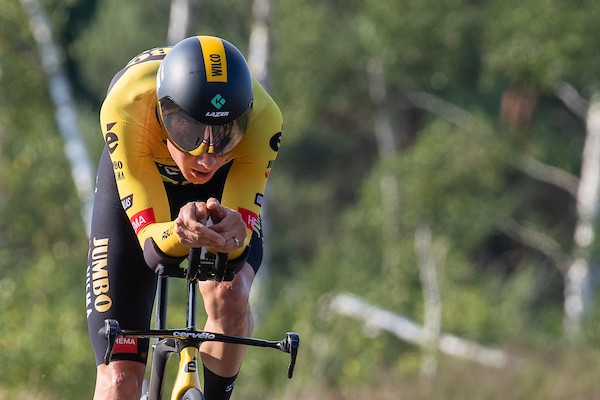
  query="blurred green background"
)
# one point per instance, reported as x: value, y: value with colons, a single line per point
x: 444, y: 134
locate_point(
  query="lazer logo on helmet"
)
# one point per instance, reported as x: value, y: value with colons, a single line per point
x: 217, y: 114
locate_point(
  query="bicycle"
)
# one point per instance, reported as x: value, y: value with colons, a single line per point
x: 186, y: 341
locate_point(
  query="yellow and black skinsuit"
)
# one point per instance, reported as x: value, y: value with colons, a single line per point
x: 139, y: 191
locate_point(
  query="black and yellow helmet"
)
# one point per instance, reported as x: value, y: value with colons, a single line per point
x: 204, y: 90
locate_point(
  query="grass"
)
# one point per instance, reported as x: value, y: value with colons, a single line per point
x: 548, y: 373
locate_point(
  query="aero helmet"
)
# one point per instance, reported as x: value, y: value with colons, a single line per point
x: 204, y: 90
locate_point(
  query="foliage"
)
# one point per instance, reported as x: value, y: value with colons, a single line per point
x: 43, y: 338
x: 323, y: 213
x: 133, y: 27
x: 539, y: 44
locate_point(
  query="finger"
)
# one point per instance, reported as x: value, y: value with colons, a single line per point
x: 236, y: 239
x: 231, y: 221
x: 224, y: 223
x: 215, y: 209
x: 202, y: 236
x: 201, y: 212
x: 230, y: 245
x: 192, y: 215
x: 190, y: 226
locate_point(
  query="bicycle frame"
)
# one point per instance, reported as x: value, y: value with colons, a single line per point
x: 186, y: 342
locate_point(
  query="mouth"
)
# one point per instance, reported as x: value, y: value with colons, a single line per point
x: 197, y: 174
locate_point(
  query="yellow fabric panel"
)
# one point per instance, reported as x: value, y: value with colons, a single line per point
x: 253, y: 159
x: 128, y: 113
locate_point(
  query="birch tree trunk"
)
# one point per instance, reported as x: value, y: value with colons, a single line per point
x: 65, y: 110
x: 377, y: 319
x: 577, y: 268
x: 260, y: 43
x: 179, y: 18
x: 259, y: 50
x: 577, y: 279
x: 388, y: 185
x: 431, y: 258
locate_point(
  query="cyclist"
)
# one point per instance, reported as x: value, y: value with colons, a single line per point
x: 190, y: 139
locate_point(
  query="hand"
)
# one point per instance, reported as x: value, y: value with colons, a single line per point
x: 228, y: 223
x: 193, y: 228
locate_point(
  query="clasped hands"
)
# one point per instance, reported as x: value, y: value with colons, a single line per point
x: 226, y: 233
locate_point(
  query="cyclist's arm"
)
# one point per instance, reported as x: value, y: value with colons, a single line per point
x: 139, y: 183
x: 253, y: 158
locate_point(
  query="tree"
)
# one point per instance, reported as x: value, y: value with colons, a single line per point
x: 44, y: 241
x: 536, y: 48
x: 66, y: 113
x: 487, y: 103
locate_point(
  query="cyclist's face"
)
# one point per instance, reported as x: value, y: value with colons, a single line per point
x: 196, y: 169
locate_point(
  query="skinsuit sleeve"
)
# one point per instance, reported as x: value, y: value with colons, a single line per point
x: 135, y: 140
x: 253, y: 159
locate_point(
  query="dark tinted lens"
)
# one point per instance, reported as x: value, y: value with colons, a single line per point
x: 188, y: 134
x: 221, y: 136
x: 184, y: 131
x: 229, y: 135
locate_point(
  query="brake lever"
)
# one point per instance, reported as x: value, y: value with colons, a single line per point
x: 109, y: 331
x: 290, y: 345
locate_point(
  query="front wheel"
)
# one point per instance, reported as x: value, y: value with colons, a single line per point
x: 193, y: 394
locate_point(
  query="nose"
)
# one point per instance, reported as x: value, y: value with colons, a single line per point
x: 207, y: 160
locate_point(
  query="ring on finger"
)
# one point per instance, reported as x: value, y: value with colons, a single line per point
x: 237, y: 242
